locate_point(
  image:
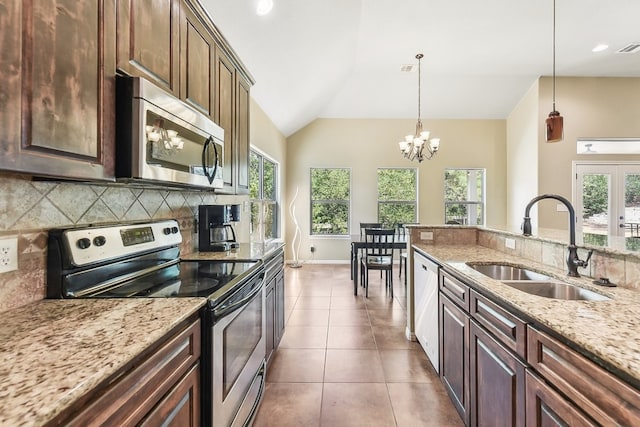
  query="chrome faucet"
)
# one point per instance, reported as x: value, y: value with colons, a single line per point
x: 573, y: 261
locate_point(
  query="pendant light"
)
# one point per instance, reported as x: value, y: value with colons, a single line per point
x: 418, y: 146
x: 555, y: 121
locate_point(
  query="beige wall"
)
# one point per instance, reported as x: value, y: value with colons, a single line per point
x: 591, y: 107
x: 522, y: 156
x: 363, y: 145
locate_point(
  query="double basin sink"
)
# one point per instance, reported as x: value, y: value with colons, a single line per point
x: 535, y: 283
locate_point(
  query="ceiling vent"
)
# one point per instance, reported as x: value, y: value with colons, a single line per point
x: 630, y: 48
x: 407, y: 68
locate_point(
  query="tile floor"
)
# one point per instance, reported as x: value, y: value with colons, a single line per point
x: 344, y: 359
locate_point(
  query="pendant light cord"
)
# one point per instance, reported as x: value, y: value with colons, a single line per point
x: 554, y: 55
x: 419, y: 57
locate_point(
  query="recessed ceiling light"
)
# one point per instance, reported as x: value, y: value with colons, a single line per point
x: 264, y: 7
x: 600, y: 47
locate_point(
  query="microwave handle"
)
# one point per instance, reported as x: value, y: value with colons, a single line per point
x: 205, y: 166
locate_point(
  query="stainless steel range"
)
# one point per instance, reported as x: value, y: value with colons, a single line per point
x: 143, y: 260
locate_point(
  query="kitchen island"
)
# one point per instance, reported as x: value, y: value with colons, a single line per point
x: 55, y: 352
x: 510, y: 354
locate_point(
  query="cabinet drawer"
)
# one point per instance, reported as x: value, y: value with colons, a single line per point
x: 509, y: 329
x: 597, y: 392
x: 457, y: 291
x: 130, y: 398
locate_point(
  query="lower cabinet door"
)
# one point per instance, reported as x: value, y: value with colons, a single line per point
x: 497, y: 382
x: 269, y: 310
x: 546, y: 407
x: 454, y: 355
x: 181, y: 406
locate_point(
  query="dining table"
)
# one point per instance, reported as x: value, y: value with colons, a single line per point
x: 359, y: 242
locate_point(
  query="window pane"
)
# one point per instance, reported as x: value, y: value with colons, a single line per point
x: 269, y: 182
x: 254, y: 176
x: 330, y: 184
x: 390, y: 214
x: 396, y: 184
x: 270, y: 228
x: 329, y: 218
x: 464, y: 196
x: 330, y: 192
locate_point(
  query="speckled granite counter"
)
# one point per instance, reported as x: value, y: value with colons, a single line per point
x: 54, y: 351
x: 607, y: 331
x: 246, y: 252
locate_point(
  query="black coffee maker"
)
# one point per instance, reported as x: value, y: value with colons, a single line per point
x: 216, y: 233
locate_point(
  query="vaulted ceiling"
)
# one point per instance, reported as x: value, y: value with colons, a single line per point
x: 342, y: 58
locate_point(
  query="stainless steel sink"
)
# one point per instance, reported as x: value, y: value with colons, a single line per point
x: 535, y: 283
x: 555, y: 290
x: 507, y: 272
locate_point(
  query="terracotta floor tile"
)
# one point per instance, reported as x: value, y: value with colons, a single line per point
x: 354, y: 337
x: 348, y: 301
x: 290, y: 405
x: 308, y: 318
x: 346, y: 317
x: 423, y: 405
x: 318, y: 291
x: 388, y: 317
x: 304, y: 337
x: 392, y: 338
x: 353, y: 366
x: 357, y: 405
x: 297, y: 366
x: 313, y: 303
x: 407, y: 366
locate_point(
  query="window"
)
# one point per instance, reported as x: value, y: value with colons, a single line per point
x: 263, y: 192
x: 330, y: 198
x: 397, y: 196
x: 464, y: 196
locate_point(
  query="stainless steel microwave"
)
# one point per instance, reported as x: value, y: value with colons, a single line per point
x: 160, y: 139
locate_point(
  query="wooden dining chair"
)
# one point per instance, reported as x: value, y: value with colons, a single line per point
x: 378, y: 256
x: 364, y: 226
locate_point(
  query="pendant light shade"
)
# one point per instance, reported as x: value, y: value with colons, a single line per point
x: 555, y: 122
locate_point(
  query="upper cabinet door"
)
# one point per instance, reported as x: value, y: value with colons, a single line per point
x: 224, y: 115
x: 149, y: 41
x: 57, y: 93
x: 197, y: 62
x: 242, y: 132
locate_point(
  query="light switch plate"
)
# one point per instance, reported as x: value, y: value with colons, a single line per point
x: 561, y: 208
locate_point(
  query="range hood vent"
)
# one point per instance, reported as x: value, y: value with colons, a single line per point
x: 630, y: 48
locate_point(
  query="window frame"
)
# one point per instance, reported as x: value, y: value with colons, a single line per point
x: 415, y: 203
x: 469, y: 202
x: 346, y: 202
x: 263, y: 201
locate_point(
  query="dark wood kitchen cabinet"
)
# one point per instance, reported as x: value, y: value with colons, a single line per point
x: 497, y: 382
x: 57, y: 65
x: 197, y: 62
x: 148, y: 41
x: 162, y: 384
x: 274, y: 302
x: 242, y: 134
x: 599, y: 394
x: 224, y: 115
x: 454, y: 354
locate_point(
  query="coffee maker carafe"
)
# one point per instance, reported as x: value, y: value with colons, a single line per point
x: 216, y: 233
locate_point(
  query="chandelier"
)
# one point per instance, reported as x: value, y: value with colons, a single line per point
x: 164, y: 141
x: 418, y: 146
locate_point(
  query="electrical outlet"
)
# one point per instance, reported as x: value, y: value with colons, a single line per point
x: 510, y: 243
x: 8, y: 255
x: 312, y: 248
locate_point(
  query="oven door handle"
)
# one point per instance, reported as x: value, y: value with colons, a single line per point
x: 228, y: 308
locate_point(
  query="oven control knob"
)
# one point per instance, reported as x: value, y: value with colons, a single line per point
x: 174, y: 230
x: 167, y: 231
x: 83, y: 243
x: 99, y: 240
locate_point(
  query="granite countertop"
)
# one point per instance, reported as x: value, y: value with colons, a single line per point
x: 245, y: 252
x: 607, y: 331
x: 52, y: 352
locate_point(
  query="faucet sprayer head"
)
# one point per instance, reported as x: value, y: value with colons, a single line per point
x: 526, y: 226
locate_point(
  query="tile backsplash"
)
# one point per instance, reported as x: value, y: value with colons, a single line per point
x: 29, y: 208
